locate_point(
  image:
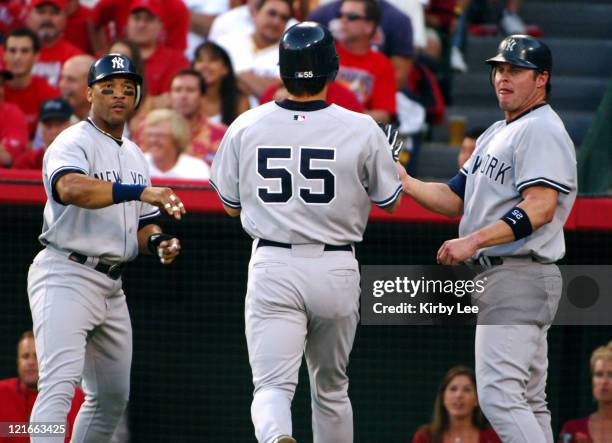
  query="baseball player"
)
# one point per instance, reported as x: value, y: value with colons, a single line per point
x: 100, y: 213
x: 515, y: 193
x: 302, y: 174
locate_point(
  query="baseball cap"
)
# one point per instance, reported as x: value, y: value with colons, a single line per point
x: 55, y: 109
x: 61, y: 4
x: 153, y: 6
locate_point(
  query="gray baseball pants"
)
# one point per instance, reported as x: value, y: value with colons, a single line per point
x: 301, y: 301
x: 516, y: 310
x: 81, y: 328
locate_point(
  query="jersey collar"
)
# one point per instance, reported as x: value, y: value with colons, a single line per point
x: 115, y: 139
x: 525, y: 113
x: 314, y: 105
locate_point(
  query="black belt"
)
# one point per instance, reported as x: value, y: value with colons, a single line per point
x: 492, y: 260
x: 112, y: 271
x: 276, y: 244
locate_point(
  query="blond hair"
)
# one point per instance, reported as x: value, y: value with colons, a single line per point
x: 601, y: 353
x: 179, y: 127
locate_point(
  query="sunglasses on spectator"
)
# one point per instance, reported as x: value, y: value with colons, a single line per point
x: 351, y: 16
x: 273, y: 14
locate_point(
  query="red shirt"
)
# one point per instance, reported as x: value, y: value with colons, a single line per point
x: 371, y: 77
x: 578, y: 429
x: 51, y: 60
x: 484, y: 436
x: 76, y: 31
x: 30, y: 160
x: 175, y: 20
x: 30, y: 98
x: 16, y: 403
x: 13, y: 130
x: 161, y: 66
x: 205, y: 139
x: 336, y: 93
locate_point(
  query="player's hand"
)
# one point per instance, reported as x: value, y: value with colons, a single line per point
x: 165, y: 199
x: 395, y: 143
x: 456, y: 251
x: 168, y: 250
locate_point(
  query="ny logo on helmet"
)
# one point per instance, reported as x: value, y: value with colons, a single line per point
x: 118, y: 63
x: 509, y: 44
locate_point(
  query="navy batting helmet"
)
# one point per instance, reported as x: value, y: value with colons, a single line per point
x: 523, y: 51
x: 307, y: 50
x: 111, y: 65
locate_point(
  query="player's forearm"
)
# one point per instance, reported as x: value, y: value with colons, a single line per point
x: 436, y: 197
x: 539, y: 204
x: 143, y: 237
x: 84, y: 192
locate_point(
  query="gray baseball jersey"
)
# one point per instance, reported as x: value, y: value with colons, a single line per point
x: 108, y: 233
x: 533, y: 150
x: 305, y: 177
x: 79, y: 314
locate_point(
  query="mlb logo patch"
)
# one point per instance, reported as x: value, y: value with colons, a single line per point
x: 299, y: 117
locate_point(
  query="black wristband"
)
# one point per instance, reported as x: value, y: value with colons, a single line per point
x: 155, y: 240
x: 519, y: 222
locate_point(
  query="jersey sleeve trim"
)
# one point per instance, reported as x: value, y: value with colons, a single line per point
x: 59, y: 173
x: 389, y: 201
x: 153, y: 214
x: 543, y: 181
x: 457, y: 184
x: 464, y: 171
x: 226, y: 201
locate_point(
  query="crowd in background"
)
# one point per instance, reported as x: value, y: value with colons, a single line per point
x: 205, y: 62
x: 456, y: 415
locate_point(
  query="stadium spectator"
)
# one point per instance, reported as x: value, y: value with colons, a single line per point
x: 80, y: 28
x: 468, y: 145
x: 47, y: 18
x: 254, y: 55
x: 239, y: 19
x: 73, y: 83
x: 18, y: 394
x: 223, y: 101
x: 28, y: 91
x: 13, y: 128
x: 55, y: 116
x: 393, y: 34
x: 368, y: 73
x: 166, y: 141
x: 160, y: 62
x: 111, y: 17
x: 456, y: 415
x: 187, y: 98
x: 597, y: 427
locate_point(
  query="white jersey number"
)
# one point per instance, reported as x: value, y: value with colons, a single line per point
x: 284, y: 176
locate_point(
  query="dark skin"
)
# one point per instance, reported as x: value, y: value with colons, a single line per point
x: 112, y: 102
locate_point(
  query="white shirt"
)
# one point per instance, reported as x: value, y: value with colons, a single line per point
x: 187, y: 166
x: 246, y: 57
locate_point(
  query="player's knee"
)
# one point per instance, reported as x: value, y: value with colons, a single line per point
x: 490, y: 399
x: 114, y: 401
